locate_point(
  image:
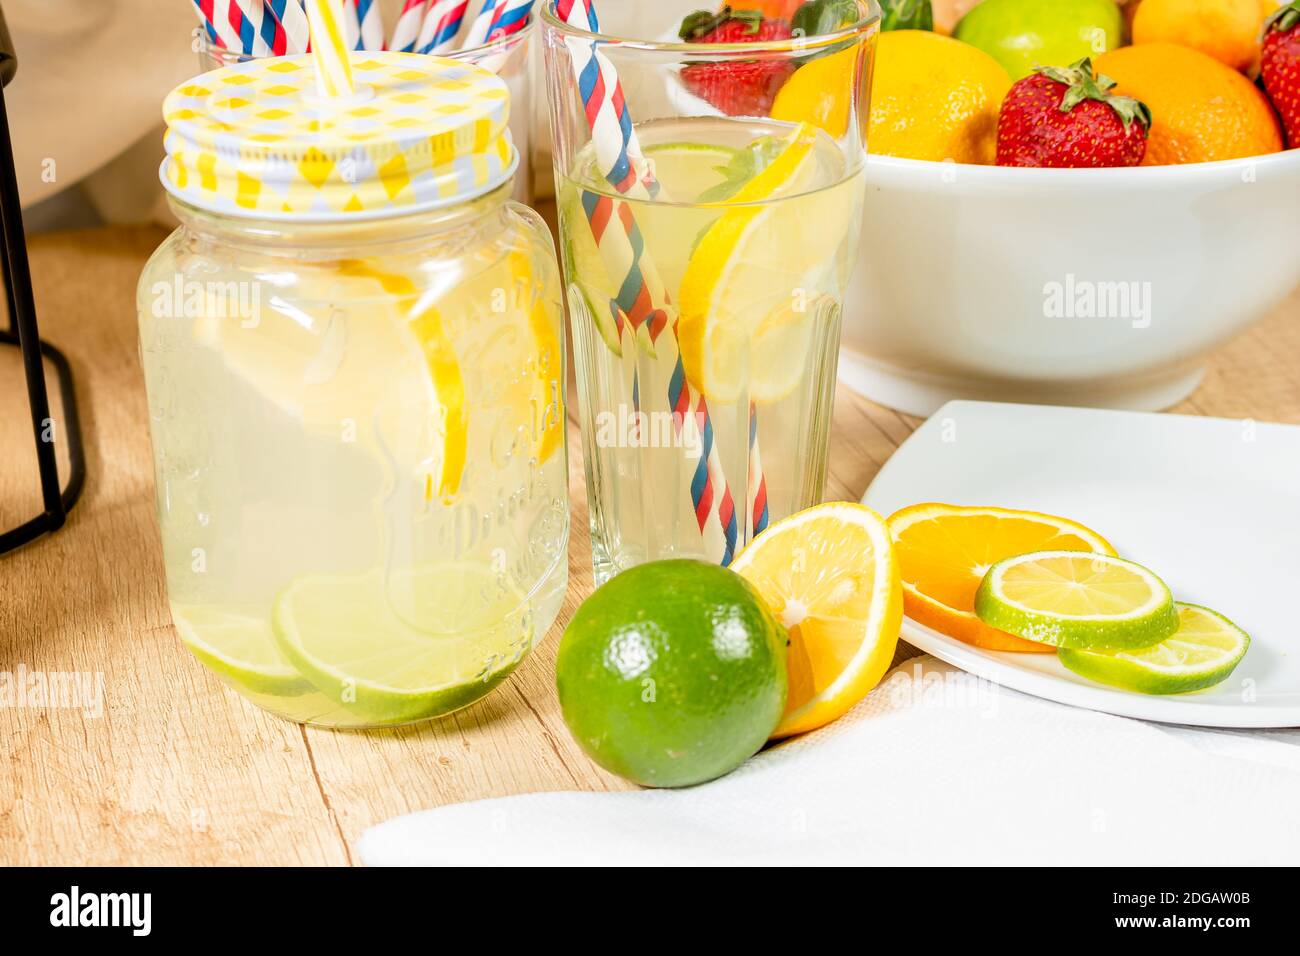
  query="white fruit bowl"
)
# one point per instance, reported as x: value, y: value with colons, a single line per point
x: 1102, y: 287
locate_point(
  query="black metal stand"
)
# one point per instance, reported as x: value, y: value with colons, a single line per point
x: 22, y: 333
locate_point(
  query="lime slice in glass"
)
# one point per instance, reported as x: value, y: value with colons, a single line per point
x: 1077, y: 600
x: 405, y: 646
x: 239, y: 647
x: 1201, y: 653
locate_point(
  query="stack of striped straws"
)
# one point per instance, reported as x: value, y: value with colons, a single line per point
x: 277, y: 27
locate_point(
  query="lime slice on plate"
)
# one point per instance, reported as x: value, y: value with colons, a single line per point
x: 403, y: 646
x: 239, y: 647
x: 1201, y: 653
x: 1077, y: 600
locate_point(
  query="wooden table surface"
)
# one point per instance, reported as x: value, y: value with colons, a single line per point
x: 179, y: 770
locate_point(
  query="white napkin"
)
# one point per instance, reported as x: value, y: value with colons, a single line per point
x: 934, y: 767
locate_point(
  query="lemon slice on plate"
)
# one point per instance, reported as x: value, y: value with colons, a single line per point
x: 1076, y: 600
x: 830, y: 576
x: 755, y: 261
x: 1204, y: 650
x: 403, y: 646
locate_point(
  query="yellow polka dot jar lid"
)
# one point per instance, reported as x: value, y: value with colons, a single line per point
x: 258, y: 139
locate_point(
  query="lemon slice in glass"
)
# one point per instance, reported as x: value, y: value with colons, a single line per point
x: 774, y: 243
x: 406, y: 645
x: 1204, y: 650
x: 1077, y: 600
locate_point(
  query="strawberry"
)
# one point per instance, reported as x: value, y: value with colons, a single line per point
x: 1064, y: 117
x: 1280, y: 68
x: 736, y: 87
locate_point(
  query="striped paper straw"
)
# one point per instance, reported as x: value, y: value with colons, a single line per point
x: 263, y: 26
x: 642, y: 294
x: 407, y: 30
x: 372, y: 24
x: 507, y: 17
x: 293, y: 22
x: 205, y: 11
x: 758, y: 515
x: 478, y: 30
x: 441, y: 24
x: 224, y: 19
x: 329, y: 48
x: 239, y: 24
x: 351, y: 25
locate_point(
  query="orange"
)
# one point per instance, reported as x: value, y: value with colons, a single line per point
x: 1203, y: 111
x: 830, y: 576
x: 944, y: 551
x: 1227, y: 30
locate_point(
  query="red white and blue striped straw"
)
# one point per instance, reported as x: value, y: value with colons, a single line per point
x: 207, y: 18
x: 758, y: 514
x: 372, y: 25
x: 225, y: 20
x: 248, y: 19
x: 478, y: 30
x: 407, y: 29
x: 494, y: 22
x: 292, y: 18
x: 643, y: 297
x: 441, y: 24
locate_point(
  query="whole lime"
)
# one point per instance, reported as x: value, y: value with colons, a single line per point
x: 672, y: 673
x: 1022, y: 34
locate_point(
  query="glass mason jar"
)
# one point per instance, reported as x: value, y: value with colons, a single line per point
x: 358, y: 431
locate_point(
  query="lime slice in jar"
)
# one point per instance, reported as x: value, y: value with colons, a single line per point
x: 240, y: 647
x: 403, y: 646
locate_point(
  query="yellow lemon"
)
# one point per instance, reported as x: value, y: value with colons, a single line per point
x: 935, y: 98
x: 819, y: 93
x: 830, y: 576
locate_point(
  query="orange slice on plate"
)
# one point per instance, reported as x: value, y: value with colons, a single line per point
x: 830, y: 577
x: 944, y: 551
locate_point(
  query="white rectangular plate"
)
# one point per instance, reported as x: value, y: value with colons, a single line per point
x: 1211, y: 505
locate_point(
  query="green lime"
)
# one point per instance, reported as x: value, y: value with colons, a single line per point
x: 1022, y: 34
x: 1078, y: 600
x: 1201, y: 653
x: 238, y: 647
x: 393, y: 648
x: 672, y: 673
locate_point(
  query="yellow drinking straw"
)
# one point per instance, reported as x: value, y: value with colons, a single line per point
x: 329, y: 50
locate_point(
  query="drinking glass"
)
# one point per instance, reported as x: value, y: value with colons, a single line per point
x: 709, y: 199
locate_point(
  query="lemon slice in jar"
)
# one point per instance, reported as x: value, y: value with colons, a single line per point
x: 367, y: 367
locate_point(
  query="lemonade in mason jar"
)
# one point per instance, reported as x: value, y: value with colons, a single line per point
x: 710, y: 199
x: 354, y: 357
